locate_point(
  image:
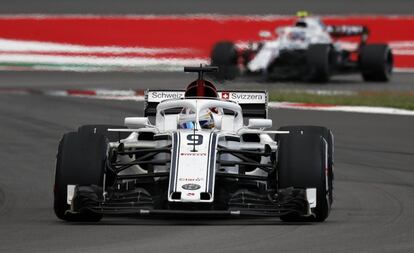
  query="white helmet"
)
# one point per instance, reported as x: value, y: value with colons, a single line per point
x: 206, y: 119
x: 187, y: 119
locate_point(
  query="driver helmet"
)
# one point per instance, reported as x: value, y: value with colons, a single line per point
x: 187, y: 119
x: 206, y: 119
x: 301, y: 19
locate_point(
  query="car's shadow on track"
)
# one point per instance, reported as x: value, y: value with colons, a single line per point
x: 151, y: 221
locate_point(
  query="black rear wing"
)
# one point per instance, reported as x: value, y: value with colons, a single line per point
x: 348, y: 31
x: 253, y: 103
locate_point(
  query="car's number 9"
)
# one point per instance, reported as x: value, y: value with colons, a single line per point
x: 195, y: 139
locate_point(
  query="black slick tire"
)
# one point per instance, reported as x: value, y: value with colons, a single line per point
x: 319, y: 63
x: 303, y: 163
x: 81, y: 160
x: 376, y: 62
x: 224, y: 55
x: 329, y: 137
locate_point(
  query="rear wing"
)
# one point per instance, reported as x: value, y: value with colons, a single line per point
x: 253, y: 103
x: 348, y: 31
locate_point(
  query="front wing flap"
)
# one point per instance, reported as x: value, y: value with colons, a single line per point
x: 286, y: 201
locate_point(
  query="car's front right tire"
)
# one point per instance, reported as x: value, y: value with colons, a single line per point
x: 80, y: 161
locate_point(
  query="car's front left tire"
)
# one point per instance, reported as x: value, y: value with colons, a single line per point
x: 103, y: 129
x: 303, y: 163
x: 328, y: 136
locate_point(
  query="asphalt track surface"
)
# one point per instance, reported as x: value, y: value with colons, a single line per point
x: 374, y: 187
x: 176, y: 80
x: 287, y: 7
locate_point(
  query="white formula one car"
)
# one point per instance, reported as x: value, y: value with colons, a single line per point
x: 198, y: 158
x: 307, y: 51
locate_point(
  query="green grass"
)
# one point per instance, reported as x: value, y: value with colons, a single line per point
x: 402, y: 100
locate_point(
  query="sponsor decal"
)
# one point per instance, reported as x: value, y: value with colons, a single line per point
x: 190, y: 194
x: 198, y: 179
x: 225, y: 95
x: 241, y: 96
x: 244, y: 97
x: 193, y: 154
x: 162, y: 95
x: 191, y: 187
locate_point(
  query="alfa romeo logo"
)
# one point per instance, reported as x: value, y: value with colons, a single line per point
x: 191, y: 187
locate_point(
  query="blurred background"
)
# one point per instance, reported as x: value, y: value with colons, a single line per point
x: 116, y: 43
x: 69, y: 63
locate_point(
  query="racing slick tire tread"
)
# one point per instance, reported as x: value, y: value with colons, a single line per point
x: 376, y: 62
x: 301, y: 164
x: 328, y: 136
x: 81, y: 160
x: 319, y: 61
x: 224, y: 55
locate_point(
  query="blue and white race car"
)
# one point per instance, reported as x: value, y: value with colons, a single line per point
x: 308, y: 50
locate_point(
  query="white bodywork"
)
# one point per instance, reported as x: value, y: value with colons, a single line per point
x: 193, y: 156
x: 193, y: 151
x: 290, y: 38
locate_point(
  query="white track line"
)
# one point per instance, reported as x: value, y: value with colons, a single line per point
x: 53, y: 47
x: 111, y: 62
x: 339, y: 108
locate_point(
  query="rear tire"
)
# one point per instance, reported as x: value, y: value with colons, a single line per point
x: 302, y: 163
x: 319, y: 61
x: 81, y: 160
x: 224, y: 55
x: 376, y: 62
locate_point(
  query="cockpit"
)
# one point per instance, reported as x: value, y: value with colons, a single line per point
x: 187, y: 119
x: 199, y: 114
x: 310, y: 22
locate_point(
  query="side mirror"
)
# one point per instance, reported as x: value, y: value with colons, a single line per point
x: 137, y: 122
x: 265, y: 34
x: 260, y: 123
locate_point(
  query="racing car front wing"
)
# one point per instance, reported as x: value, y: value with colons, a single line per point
x: 237, y: 194
x: 137, y: 202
